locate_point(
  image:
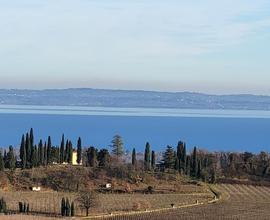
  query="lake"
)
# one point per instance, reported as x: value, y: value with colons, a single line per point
x: 219, y: 130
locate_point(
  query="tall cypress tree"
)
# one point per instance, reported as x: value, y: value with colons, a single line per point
x: 153, y: 160
x: 2, y: 164
x: 66, y: 155
x: 49, y: 150
x: 67, y: 208
x: 147, y: 157
x: 188, y: 165
x: 62, y: 150
x: 63, y: 207
x: 45, y: 155
x: 23, y: 155
x: 31, y: 137
x: 28, y: 150
x: 194, y: 165
x: 134, y: 159
x: 40, y: 153
x: 35, y: 157
x: 70, y: 152
x: 79, y: 151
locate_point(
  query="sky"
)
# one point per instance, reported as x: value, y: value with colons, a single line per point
x: 217, y: 47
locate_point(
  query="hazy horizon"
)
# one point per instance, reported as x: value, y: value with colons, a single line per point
x: 204, y: 46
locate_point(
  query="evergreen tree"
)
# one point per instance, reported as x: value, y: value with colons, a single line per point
x: 147, y: 159
x: 194, y: 163
x: 199, y: 169
x: 35, y: 157
x: 11, y: 159
x: 63, y: 207
x: 40, y: 153
x: 153, y: 160
x: 117, y: 146
x: 134, y: 159
x: 181, y: 156
x: 31, y: 137
x: 92, y: 157
x: 28, y: 150
x: 62, y: 150
x: 67, y: 208
x: 169, y: 158
x: 45, y: 154
x: 79, y: 151
x: 103, y: 158
x: 188, y: 163
x: 72, y: 209
x: 66, y: 155
x: 2, y: 164
x: 23, y: 153
x: 69, y: 152
x: 49, y: 151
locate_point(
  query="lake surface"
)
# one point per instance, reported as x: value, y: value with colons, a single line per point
x: 209, y: 129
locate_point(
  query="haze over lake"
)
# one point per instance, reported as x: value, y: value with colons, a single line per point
x: 226, y: 130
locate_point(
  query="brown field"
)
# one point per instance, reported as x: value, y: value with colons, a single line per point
x: 48, y: 203
x: 238, y: 202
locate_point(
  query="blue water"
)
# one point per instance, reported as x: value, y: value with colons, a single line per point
x: 208, y: 129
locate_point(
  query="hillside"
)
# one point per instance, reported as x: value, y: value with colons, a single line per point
x: 129, y: 98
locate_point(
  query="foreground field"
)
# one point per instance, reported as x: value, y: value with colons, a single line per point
x: 238, y: 202
x: 49, y: 202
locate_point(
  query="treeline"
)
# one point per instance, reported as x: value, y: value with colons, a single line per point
x: 197, y: 164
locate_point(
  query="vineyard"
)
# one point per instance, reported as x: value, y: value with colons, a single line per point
x: 48, y: 203
x: 238, y: 202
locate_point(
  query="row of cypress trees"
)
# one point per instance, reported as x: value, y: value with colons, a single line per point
x: 67, y: 208
x: 3, y: 206
x: 44, y: 154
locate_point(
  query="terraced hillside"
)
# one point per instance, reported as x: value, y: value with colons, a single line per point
x: 237, y: 202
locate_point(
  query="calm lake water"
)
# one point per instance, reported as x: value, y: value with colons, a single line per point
x: 209, y: 129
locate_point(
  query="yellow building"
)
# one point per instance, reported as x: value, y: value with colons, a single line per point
x: 74, y: 158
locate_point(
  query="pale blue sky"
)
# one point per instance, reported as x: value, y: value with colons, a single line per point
x: 173, y: 45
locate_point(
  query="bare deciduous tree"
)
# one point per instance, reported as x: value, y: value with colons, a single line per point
x: 87, y: 200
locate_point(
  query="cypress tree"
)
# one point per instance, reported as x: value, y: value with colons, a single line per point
x: 11, y: 159
x: 45, y: 154
x: 35, y: 157
x: 147, y: 156
x: 72, y: 209
x: 134, y: 159
x: 28, y: 150
x: 31, y: 137
x: 66, y: 155
x: 199, y: 169
x: 79, y: 151
x: 70, y: 152
x: 23, y: 153
x: 153, y: 159
x: 62, y: 150
x: 194, y: 164
x: 63, y: 207
x: 40, y: 153
x: 188, y: 163
x: 2, y: 164
x: 67, y: 208
x: 49, y: 151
